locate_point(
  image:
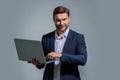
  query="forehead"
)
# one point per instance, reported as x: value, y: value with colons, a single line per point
x: 61, y: 15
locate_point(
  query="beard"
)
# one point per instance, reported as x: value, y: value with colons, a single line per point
x: 61, y: 29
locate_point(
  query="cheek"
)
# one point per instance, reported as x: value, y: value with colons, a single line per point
x: 57, y: 23
x: 67, y: 22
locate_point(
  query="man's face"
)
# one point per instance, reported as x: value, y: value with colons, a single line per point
x: 61, y: 21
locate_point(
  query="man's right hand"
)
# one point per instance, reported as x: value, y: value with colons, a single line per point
x: 34, y: 61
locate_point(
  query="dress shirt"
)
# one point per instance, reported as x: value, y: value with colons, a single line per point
x: 59, y: 44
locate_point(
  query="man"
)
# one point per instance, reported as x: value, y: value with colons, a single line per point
x: 64, y: 45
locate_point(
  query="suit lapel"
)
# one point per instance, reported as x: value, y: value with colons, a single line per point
x: 68, y: 40
x: 52, y: 41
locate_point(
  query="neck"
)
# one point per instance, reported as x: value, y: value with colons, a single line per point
x: 60, y: 33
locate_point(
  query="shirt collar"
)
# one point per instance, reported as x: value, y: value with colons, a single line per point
x: 64, y: 35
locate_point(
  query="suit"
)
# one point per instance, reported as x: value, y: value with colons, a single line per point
x: 74, y: 54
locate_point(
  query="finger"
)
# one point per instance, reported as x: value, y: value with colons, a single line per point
x: 29, y: 61
x: 53, y: 55
x: 34, y: 61
x: 49, y: 55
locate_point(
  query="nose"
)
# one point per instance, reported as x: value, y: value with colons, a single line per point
x: 61, y: 22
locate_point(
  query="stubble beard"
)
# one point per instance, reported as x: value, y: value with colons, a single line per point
x: 61, y: 31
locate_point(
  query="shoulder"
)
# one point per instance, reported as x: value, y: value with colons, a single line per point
x: 78, y: 37
x: 76, y: 34
x: 50, y: 34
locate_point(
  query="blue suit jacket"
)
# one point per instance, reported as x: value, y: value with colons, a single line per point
x: 74, y: 54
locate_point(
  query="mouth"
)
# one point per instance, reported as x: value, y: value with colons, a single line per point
x: 60, y: 26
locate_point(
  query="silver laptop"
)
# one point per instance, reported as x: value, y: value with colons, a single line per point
x: 28, y: 49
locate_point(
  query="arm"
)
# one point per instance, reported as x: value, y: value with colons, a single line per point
x: 80, y: 56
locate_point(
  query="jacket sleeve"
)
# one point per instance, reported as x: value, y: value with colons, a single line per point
x: 80, y: 55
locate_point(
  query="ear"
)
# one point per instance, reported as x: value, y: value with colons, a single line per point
x: 69, y: 19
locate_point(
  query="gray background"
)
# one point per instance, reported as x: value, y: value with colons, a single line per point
x: 98, y: 20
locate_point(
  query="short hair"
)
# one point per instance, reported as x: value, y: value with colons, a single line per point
x: 61, y: 9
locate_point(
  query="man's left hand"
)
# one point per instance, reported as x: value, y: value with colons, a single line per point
x: 53, y: 55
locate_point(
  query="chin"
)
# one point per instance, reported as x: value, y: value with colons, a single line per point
x: 61, y: 30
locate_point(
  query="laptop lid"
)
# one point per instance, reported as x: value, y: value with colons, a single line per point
x: 28, y: 49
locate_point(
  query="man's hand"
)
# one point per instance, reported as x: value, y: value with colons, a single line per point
x: 53, y: 55
x: 34, y: 61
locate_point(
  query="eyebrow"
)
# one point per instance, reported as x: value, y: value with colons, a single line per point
x: 61, y: 19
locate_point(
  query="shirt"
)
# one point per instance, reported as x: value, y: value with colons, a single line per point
x: 59, y: 44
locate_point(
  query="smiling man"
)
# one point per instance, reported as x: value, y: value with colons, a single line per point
x: 65, y: 46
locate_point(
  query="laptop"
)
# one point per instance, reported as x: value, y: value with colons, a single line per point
x: 28, y: 49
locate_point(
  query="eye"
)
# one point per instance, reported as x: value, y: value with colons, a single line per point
x: 64, y: 19
x: 57, y: 20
